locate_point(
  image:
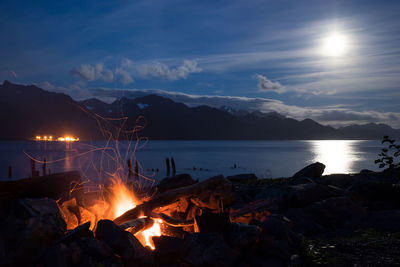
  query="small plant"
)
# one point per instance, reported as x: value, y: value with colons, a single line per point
x: 388, y: 155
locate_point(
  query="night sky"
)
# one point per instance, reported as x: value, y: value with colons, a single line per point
x: 337, y: 62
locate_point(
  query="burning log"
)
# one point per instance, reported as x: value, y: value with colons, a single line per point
x: 45, y: 186
x: 172, y: 221
x: 138, y: 224
x: 170, y: 196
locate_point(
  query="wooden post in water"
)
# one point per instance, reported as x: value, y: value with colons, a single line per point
x: 136, y: 170
x: 130, y: 171
x: 168, y: 168
x: 173, y: 166
x: 33, y: 168
x: 9, y: 171
x: 44, y: 167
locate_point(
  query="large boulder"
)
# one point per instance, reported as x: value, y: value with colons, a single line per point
x: 304, y: 194
x: 122, y: 242
x: 28, y: 228
x: 314, y: 170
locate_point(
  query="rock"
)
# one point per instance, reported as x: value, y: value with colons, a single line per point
x: 242, y: 178
x: 58, y: 255
x: 93, y: 248
x: 41, y: 206
x: 314, y: 170
x: 169, y: 249
x: 295, y: 260
x: 386, y: 220
x: 28, y: 228
x: 176, y: 181
x: 207, y: 250
x: 211, y: 222
x: 376, y: 194
x: 344, y: 212
x: 121, y: 242
x: 242, y: 235
x: 304, y: 194
x: 275, y: 238
x: 78, y: 232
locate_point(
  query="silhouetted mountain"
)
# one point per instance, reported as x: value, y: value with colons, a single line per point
x: 369, y: 131
x: 26, y: 111
x: 167, y: 119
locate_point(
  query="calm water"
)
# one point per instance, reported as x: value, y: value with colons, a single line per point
x: 200, y: 158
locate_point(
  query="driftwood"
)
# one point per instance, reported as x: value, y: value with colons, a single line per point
x: 172, y: 221
x: 51, y: 186
x: 173, y: 195
x: 138, y: 224
x: 252, y: 207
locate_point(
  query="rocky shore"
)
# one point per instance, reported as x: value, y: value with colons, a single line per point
x: 305, y: 220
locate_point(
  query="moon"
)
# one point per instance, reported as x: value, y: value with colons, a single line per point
x: 334, y: 45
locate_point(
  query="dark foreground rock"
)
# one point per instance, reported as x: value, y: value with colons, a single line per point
x: 334, y: 220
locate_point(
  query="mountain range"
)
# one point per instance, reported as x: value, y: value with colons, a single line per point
x: 27, y: 111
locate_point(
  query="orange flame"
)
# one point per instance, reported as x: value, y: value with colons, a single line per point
x: 123, y: 200
x: 145, y: 236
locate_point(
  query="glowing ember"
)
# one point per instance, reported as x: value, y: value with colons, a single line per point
x: 145, y: 236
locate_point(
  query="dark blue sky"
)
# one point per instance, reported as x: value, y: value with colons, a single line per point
x: 266, y: 55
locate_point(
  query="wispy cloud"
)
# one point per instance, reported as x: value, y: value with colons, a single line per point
x: 88, y: 72
x: 161, y: 70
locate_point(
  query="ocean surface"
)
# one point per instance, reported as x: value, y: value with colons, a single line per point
x: 202, y: 159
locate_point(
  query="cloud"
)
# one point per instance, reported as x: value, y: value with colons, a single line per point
x: 124, y: 76
x: 265, y: 84
x: 88, y: 72
x: 161, y: 70
x: 124, y: 71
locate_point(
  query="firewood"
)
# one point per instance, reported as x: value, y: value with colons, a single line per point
x: 138, y: 224
x: 173, y: 195
x: 172, y: 221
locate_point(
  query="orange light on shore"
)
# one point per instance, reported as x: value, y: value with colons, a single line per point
x: 67, y: 139
x: 59, y: 139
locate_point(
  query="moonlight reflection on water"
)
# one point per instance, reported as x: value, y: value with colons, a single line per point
x: 337, y: 155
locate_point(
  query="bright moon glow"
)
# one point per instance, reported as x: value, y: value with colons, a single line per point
x: 335, y: 45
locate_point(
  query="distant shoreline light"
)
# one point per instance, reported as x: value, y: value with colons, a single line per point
x: 59, y: 139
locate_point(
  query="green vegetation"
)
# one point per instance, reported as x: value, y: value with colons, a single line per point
x: 388, y: 155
